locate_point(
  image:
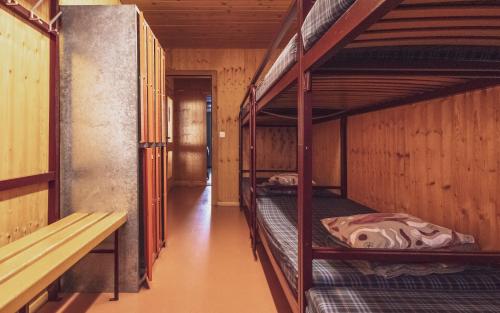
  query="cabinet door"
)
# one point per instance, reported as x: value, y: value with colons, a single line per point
x: 165, y: 191
x: 149, y: 204
x: 158, y: 190
x: 151, y: 86
x: 143, y: 70
x: 163, y: 99
x: 158, y: 91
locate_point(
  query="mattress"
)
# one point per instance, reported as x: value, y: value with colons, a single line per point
x: 342, y: 300
x: 277, y: 215
x: 321, y: 17
x: 283, y: 63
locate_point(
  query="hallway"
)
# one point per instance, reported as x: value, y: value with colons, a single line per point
x: 207, y: 267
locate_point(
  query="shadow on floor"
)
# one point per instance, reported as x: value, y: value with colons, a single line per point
x: 72, y: 303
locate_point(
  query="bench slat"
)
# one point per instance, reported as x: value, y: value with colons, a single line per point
x: 26, y: 284
x: 30, y: 256
x: 27, y: 241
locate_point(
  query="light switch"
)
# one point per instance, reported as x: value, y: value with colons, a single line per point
x: 222, y: 134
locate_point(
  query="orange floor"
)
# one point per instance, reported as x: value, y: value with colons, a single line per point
x: 207, y: 267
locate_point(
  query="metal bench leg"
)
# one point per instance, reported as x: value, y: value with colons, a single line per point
x: 116, y: 254
x: 24, y: 309
x: 53, y: 291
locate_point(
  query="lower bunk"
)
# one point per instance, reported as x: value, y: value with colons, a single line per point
x: 352, y: 300
x: 344, y: 286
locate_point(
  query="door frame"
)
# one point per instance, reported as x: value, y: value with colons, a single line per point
x: 212, y: 74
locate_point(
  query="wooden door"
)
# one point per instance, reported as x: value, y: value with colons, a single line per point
x: 143, y: 69
x: 158, y: 196
x: 149, y: 205
x: 190, y: 127
x: 165, y: 191
x: 158, y: 90
x: 151, y: 86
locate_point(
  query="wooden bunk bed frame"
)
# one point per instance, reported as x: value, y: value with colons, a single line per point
x: 366, y: 24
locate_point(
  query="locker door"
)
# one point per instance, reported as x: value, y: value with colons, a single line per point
x: 158, y: 90
x: 151, y: 86
x: 163, y: 100
x: 143, y: 68
x: 159, y: 195
x: 149, y: 208
x: 165, y: 192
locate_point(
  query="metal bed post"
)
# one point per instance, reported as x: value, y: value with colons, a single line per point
x: 253, y: 164
x: 304, y: 157
x: 240, y: 160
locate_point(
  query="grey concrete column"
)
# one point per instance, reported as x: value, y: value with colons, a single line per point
x: 99, y: 133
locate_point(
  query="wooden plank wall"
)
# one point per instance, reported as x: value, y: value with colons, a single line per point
x: 276, y: 148
x: 190, y: 139
x: 438, y: 160
x: 326, y: 153
x: 24, y: 125
x: 235, y: 68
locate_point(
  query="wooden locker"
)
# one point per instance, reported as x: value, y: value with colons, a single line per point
x: 143, y: 69
x: 165, y: 192
x: 158, y: 91
x: 158, y: 190
x: 163, y: 99
x: 149, y: 203
x: 151, y: 86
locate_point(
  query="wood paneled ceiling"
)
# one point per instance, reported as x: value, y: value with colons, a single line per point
x: 213, y: 23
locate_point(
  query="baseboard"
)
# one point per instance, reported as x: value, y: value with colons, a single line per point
x: 228, y: 203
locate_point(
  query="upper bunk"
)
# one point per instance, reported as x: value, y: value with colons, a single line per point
x: 369, y: 55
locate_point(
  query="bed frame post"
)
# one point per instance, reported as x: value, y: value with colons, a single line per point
x: 240, y: 160
x: 304, y: 157
x: 343, y: 157
x: 253, y: 172
x: 53, y: 197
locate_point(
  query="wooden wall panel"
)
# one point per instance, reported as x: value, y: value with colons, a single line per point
x: 43, y: 11
x: 24, y: 108
x: 326, y: 153
x: 24, y: 125
x: 22, y: 211
x: 190, y: 153
x: 438, y: 160
x: 276, y: 148
x: 234, y: 68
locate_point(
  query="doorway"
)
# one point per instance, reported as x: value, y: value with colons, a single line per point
x: 194, y: 122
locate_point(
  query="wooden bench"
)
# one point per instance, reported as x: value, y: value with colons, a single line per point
x: 31, y: 264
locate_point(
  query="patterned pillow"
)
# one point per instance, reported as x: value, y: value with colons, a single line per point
x: 285, y: 179
x: 394, y: 231
x: 288, y: 179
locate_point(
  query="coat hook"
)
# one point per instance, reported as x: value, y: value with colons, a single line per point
x: 53, y: 21
x: 33, y: 16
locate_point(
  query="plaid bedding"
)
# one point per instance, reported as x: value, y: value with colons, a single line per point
x: 277, y: 215
x: 350, y: 300
x: 284, y: 62
x: 322, y: 15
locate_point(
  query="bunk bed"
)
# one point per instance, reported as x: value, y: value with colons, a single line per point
x: 351, y: 57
